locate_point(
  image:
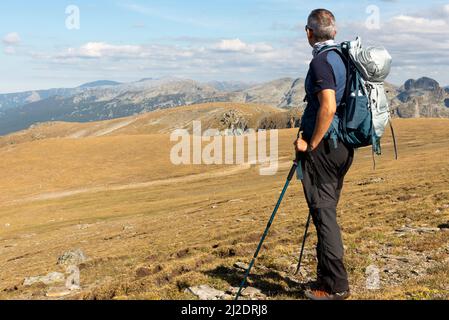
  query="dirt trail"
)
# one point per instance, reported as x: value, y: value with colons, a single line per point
x: 139, y: 185
x: 189, y: 178
x: 105, y: 131
x: 114, y: 127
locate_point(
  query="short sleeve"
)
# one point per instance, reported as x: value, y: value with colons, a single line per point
x: 322, y: 74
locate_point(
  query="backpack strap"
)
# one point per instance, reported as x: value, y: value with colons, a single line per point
x: 338, y: 49
x: 394, y: 140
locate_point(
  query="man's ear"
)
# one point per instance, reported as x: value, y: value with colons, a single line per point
x: 309, y: 34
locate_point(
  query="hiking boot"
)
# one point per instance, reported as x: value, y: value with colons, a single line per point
x: 316, y: 285
x: 320, y: 294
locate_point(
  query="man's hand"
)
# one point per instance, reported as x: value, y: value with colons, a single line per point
x: 301, y: 145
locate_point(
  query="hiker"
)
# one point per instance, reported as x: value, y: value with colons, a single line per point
x: 325, y: 160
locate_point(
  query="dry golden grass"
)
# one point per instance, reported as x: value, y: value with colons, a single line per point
x: 150, y: 240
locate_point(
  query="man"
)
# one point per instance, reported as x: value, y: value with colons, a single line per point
x: 325, y: 159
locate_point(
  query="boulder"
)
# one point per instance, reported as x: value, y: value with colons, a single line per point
x: 51, y: 278
x: 72, y: 258
x: 248, y: 293
x: 205, y: 292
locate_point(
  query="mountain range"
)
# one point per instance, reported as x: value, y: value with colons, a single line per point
x: 104, y: 100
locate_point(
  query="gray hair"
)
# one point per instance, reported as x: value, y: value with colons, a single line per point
x: 322, y: 23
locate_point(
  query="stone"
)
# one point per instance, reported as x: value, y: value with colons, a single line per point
x: 409, y: 229
x: 58, y: 292
x: 241, y: 265
x: 370, y: 181
x: 205, y: 292
x: 251, y: 292
x: 72, y: 258
x: 51, y: 278
x: 247, y: 293
x: 143, y: 272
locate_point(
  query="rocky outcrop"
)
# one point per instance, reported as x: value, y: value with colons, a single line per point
x: 72, y: 258
x: 233, y: 122
x: 294, y: 97
x: 423, y: 83
x: 421, y: 98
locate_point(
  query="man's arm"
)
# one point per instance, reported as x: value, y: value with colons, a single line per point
x: 326, y: 113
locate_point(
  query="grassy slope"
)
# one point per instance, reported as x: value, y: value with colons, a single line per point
x: 190, y: 232
x: 156, y: 122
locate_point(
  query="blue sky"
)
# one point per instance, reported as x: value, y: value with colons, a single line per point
x: 205, y: 40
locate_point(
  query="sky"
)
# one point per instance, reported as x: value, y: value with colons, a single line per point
x: 54, y: 43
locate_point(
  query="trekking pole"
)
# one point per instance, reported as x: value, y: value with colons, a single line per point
x: 270, y: 222
x: 303, y: 243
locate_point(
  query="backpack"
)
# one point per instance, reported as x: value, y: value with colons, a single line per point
x: 364, y: 112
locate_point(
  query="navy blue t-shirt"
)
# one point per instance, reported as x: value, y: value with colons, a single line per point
x: 327, y: 71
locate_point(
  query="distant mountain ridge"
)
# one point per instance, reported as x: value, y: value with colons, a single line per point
x: 105, y: 100
x: 12, y: 100
x: 100, y: 83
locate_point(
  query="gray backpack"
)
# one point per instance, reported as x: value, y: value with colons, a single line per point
x: 365, y: 112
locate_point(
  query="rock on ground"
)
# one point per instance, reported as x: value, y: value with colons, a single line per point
x: 248, y: 293
x: 72, y: 258
x: 241, y: 266
x: 51, y: 278
x: 205, y: 292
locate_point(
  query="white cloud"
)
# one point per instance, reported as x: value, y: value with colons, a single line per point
x: 213, y: 58
x: 416, y: 24
x: 232, y: 45
x: 12, y: 38
x: 102, y: 49
x: 237, y: 45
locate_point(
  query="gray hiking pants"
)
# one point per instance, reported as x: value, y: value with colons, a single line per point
x: 324, y: 172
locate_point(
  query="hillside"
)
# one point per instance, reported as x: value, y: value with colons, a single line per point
x: 150, y: 229
x: 218, y: 115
